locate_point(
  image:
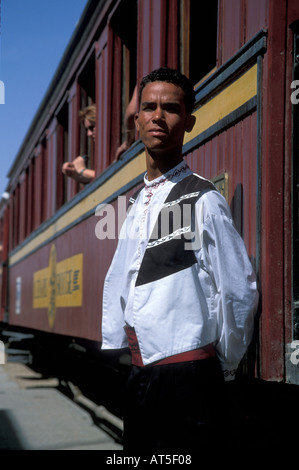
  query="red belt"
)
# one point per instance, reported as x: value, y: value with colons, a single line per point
x: 193, y: 355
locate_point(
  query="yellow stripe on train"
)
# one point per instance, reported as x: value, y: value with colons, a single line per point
x: 222, y: 104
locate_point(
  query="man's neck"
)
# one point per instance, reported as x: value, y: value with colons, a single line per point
x: 159, y: 166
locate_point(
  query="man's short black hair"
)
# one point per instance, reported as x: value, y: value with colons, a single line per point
x: 165, y: 74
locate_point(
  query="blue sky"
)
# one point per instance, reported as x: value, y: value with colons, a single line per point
x: 34, y: 35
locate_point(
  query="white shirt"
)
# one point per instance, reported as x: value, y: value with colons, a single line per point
x: 212, y: 302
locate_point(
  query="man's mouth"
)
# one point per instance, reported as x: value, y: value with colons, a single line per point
x: 157, y: 132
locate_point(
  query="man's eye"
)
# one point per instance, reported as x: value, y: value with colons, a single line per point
x: 172, y: 108
x: 147, y: 108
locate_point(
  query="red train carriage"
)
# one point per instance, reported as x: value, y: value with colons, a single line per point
x: 242, y: 56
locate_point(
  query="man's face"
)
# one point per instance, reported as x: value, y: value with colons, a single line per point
x: 162, y: 119
x: 90, y: 129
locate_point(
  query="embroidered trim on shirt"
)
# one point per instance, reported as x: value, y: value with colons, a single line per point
x: 228, y: 373
x: 169, y: 177
x: 182, y: 198
x: 149, y: 194
x: 169, y: 237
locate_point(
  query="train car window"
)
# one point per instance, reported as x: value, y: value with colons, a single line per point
x: 124, y: 66
x: 27, y: 201
x: 86, y: 82
x: 16, y: 216
x: 62, y: 154
x: 198, y: 33
x: 44, y: 179
x: 22, y: 207
x: 29, y: 197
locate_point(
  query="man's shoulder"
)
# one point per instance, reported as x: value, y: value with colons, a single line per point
x: 194, y: 182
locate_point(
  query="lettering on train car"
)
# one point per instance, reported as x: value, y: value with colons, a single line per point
x: 18, y: 295
x: 40, y: 288
x: 64, y: 283
x: 59, y: 284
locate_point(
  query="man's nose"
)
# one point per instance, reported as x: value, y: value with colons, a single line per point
x: 158, y: 114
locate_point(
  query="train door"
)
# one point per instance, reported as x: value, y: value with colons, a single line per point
x: 292, y: 325
x: 295, y: 187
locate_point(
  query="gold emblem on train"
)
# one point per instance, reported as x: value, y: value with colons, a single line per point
x: 58, y: 285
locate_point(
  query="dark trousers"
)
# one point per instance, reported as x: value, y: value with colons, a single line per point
x: 174, y: 407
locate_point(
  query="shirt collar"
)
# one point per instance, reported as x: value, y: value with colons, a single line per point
x: 174, y: 175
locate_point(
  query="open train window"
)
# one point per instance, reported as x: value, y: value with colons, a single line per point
x: 29, y: 214
x: 198, y: 38
x: 16, y: 216
x: 124, y: 66
x: 44, y: 179
x: 62, y: 153
x: 86, y: 82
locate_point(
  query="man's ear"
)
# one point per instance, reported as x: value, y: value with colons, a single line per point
x: 136, y: 121
x: 191, y: 119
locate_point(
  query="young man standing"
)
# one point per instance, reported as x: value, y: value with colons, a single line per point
x: 180, y: 291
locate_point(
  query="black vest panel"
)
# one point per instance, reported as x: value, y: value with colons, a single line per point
x: 166, y: 251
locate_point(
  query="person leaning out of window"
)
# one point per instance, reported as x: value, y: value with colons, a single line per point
x: 78, y: 168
